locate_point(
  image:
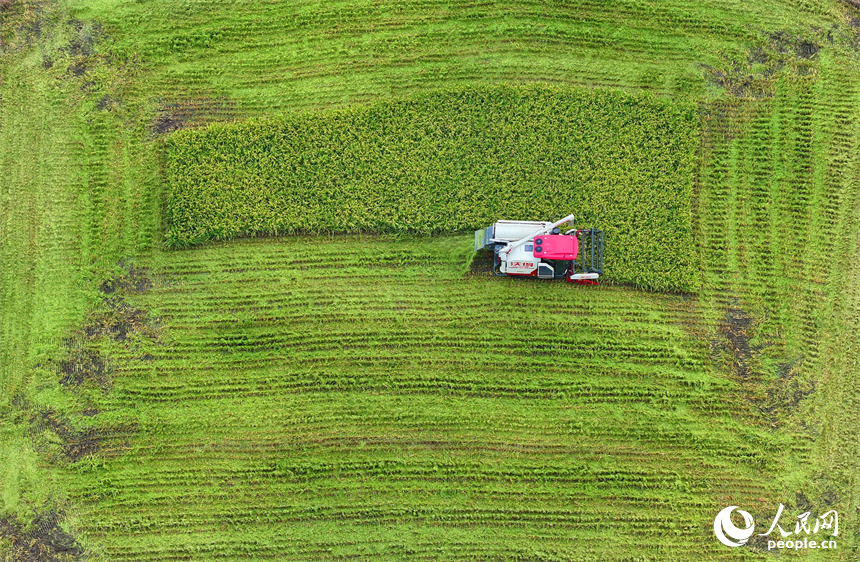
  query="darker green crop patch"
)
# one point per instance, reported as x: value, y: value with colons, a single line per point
x: 453, y: 161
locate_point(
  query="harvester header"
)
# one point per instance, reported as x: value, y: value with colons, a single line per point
x: 540, y: 249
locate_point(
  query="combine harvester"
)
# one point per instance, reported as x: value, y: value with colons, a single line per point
x: 539, y: 249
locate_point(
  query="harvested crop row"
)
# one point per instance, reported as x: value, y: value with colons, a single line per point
x: 300, y: 401
x: 451, y: 162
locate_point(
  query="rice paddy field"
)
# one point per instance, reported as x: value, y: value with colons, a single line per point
x: 363, y: 393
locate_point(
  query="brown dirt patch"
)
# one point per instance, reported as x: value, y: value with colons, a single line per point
x: 118, y: 320
x: 105, y: 103
x: 755, y: 76
x: 196, y: 112
x: 77, y: 443
x: 785, y: 393
x: 735, y: 328
x: 86, y: 37
x: 78, y: 69
x: 775, y: 392
x: 132, y: 280
x: 42, y: 541
x: 84, y: 364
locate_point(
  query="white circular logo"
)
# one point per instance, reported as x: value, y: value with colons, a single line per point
x: 726, y: 531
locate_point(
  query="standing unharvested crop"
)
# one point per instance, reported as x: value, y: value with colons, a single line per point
x: 453, y: 161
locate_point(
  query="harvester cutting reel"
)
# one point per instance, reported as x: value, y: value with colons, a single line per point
x: 542, y: 250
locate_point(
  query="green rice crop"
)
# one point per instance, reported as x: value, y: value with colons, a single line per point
x: 453, y: 161
x: 357, y: 397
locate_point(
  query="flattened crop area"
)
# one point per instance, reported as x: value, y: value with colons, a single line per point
x: 349, y: 397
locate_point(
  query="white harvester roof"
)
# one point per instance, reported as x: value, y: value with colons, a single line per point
x: 509, y: 231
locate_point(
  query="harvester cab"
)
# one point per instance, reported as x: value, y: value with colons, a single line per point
x: 542, y: 250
